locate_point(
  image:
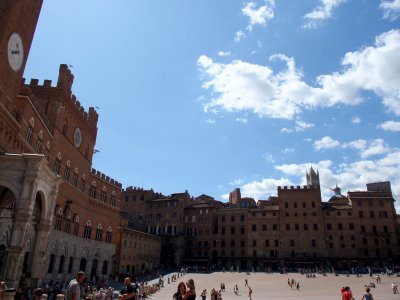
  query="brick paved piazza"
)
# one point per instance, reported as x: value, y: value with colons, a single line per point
x: 274, y: 286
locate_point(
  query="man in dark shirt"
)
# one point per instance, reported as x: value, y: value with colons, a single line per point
x: 127, y: 292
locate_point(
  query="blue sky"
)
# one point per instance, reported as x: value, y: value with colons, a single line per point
x: 207, y: 96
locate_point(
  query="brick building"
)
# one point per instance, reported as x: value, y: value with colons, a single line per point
x: 58, y: 215
x: 294, y: 228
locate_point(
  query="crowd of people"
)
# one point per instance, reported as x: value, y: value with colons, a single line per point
x: 78, y: 289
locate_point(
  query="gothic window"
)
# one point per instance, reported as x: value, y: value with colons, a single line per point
x: 109, y: 235
x: 112, y: 198
x: 59, y: 215
x: 83, y: 183
x: 93, y: 190
x: 38, y: 146
x: 88, y: 230
x: 67, y: 170
x: 103, y: 194
x: 67, y: 226
x: 65, y: 127
x: 29, y: 131
x: 57, y: 164
x: 99, y: 232
x: 47, y: 150
x: 75, y: 179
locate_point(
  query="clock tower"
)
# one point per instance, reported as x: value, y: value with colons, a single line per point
x: 18, y: 19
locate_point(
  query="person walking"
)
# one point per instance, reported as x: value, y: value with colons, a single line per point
x: 347, y: 295
x: 250, y: 293
x: 73, y: 291
x: 367, y: 295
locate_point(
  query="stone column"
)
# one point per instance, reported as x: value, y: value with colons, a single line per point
x: 16, y: 250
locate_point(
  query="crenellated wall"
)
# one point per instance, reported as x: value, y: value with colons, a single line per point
x: 106, y: 178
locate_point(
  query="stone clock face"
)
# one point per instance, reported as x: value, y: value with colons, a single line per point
x: 77, y: 137
x: 15, y: 51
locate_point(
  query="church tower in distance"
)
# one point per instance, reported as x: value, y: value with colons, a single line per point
x: 312, y: 178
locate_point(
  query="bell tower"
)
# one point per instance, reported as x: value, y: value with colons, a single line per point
x: 18, y: 19
x: 312, y: 178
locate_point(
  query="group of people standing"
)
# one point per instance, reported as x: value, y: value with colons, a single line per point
x: 185, y: 291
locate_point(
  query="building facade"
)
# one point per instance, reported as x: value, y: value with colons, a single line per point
x: 58, y: 215
x: 294, y: 228
x: 137, y: 252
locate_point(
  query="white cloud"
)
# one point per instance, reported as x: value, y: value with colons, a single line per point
x: 288, y: 151
x: 321, y: 13
x: 301, y: 126
x: 286, y: 130
x: 357, y: 144
x: 210, y: 121
x: 390, y: 126
x: 225, y: 196
x: 326, y: 143
x: 260, y: 15
x: 224, y: 53
x: 268, y: 157
x: 391, y: 9
x: 376, y: 147
x: 237, y: 182
x: 240, y: 85
x: 261, y: 189
x: 241, y: 120
x: 356, y: 120
x: 239, y: 35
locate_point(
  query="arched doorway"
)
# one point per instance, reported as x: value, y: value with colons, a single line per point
x: 82, y: 265
x: 7, y: 208
x: 3, y: 256
x: 93, y: 271
x: 105, y: 268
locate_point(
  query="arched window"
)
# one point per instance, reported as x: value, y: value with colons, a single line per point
x: 67, y: 170
x: 83, y: 183
x: 59, y: 215
x: 109, y: 235
x: 68, y: 220
x: 57, y: 164
x: 103, y: 194
x: 88, y: 230
x: 65, y: 127
x: 112, y: 198
x: 29, y: 131
x: 38, y: 146
x: 99, y: 232
x: 47, y: 150
x: 93, y: 189
x: 75, y: 179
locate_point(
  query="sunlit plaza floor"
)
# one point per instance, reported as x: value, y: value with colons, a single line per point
x: 275, y: 286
